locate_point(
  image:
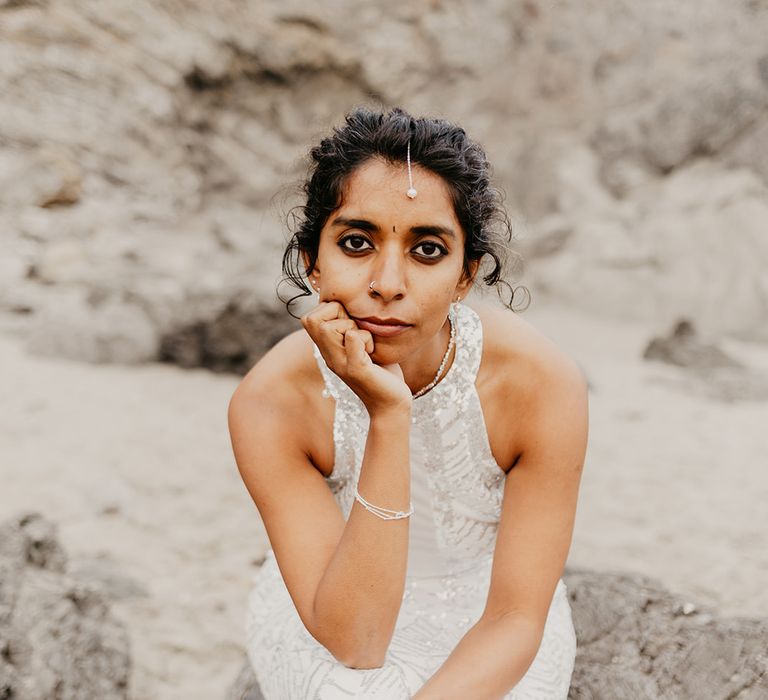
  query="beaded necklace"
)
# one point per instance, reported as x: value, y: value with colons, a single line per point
x: 451, y: 343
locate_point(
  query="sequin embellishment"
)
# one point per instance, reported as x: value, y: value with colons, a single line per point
x: 449, y: 441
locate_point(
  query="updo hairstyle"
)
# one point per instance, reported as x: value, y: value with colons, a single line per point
x: 437, y: 145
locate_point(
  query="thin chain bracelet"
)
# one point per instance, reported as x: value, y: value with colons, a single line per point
x: 383, y: 513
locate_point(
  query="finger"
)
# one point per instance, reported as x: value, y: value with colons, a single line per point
x: 324, y: 311
x: 367, y: 338
x: 328, y: 310
x: 337, y: 328
x: 357, y: 357
x: 329, y: 338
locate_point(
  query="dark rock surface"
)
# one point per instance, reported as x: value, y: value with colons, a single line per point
x: 58, y: 639
x: 706, y: 369
x: 232, y: 341
x: 684, y: 348
x: 245, y: 686
x: 637, y: 641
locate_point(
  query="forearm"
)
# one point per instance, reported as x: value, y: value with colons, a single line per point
x: 487, y: 663
x: 359, y: 597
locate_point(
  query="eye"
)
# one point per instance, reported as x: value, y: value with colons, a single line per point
x: 431, y: 250
x: 355, y: 244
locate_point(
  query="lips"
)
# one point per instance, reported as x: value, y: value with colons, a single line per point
x: 382, y: 327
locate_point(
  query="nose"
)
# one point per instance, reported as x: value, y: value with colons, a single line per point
x: 388, y: 275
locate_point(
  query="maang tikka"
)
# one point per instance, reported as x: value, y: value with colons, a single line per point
x: 411, y: 189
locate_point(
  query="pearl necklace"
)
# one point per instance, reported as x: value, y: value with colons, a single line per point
x: 451, y: 343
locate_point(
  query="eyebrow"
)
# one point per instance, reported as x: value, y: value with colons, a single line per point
x: 425, y: 230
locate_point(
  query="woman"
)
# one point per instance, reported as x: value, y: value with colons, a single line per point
x: 415, y: 461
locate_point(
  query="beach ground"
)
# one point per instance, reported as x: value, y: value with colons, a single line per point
x: 134, y: 465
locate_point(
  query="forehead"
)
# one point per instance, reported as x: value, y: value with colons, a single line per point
x: 376, y: 190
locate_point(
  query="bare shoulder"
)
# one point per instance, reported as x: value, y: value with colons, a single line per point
x: 526, y: 383
x: 515, y: 350
x: 281, y: 385
x: 280, y: 371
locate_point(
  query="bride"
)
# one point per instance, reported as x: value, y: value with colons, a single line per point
x: 415, y: 460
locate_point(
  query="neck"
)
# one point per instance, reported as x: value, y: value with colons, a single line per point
x: 420, y: 369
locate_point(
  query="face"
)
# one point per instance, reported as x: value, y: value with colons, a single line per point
x: 412, y: 250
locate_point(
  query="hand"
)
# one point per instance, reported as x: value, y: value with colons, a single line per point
x: 347, y: 351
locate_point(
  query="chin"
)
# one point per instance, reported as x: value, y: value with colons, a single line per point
x: 388, y: 354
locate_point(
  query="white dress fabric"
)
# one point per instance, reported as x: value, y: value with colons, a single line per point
x: 456, y: 491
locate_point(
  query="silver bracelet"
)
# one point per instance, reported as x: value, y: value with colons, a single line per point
x: 383, y: 513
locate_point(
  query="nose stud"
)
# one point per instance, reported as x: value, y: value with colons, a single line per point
x: 370, y: 286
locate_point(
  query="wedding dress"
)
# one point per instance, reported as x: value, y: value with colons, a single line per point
x: 456, y: 492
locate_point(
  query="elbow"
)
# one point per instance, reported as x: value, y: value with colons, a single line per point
x: 362, y: 662
x: 355, y: 640
x: 353, y: 652
x: 527, y: 632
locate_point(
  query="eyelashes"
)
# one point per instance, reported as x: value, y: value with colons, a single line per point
x: 355, y: 244
x: 430, y: 250
x: 437, y: 251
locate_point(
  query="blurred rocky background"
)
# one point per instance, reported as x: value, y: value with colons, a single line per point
x: 150, y: 154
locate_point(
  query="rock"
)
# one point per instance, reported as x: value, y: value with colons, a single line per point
x: 708, y: 370
x: 45, y: 178
x: 30, y: 539
x: 167, y: 136
x: 637, y: 640
x: 95, y: 330
x: 245, y: 687
x: 684, y: 348
x: 660, y: 253
x: 693, y: 116
x: 102, y: 573
x: 232, y: 341
x: 221, y: 318
x: 57, y: 636
x: 749, y: 148
x: 61, y: 262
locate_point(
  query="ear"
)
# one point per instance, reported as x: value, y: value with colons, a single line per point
x: 314, y: 277
x: 467, y: 279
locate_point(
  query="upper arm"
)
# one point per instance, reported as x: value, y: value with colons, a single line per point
x: 540, y: 493
x: 302, y: 519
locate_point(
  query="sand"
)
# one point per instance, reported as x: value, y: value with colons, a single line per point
x: 134, y: 465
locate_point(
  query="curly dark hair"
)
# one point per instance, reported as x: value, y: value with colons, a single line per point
x: 438, y: 145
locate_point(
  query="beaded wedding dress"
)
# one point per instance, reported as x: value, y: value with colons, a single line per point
x: 456, y: 492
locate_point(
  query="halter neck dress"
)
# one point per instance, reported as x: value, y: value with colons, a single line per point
x: 456, y: 492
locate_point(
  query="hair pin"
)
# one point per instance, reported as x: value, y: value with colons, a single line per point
x: 411, y: 189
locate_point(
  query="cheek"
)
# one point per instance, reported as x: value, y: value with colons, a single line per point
x: 339, y: 283
x: 341, y: 278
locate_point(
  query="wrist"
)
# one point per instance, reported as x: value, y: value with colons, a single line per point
x: 386, y: 414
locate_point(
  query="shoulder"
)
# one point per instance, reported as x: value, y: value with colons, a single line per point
x: 281, y: 384
x: 515, y: 349
x: 531, y: 391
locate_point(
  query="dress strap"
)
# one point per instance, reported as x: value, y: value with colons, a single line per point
x: 332, y: 382
x: 469, y: 342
